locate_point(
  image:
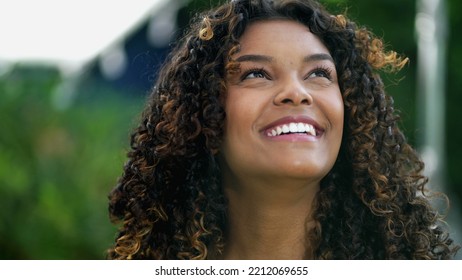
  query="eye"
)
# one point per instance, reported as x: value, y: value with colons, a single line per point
x: 321, y: 72
x: 254, y: 74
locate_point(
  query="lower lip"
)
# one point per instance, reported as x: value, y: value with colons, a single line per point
x: 295, y: 137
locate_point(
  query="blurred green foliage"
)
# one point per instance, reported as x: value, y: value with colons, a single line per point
x: 57, y: 166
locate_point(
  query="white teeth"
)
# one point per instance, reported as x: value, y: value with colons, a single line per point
x: 293, y: 128
x: 278, y: 130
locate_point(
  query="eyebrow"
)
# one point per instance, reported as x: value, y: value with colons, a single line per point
x: 265, y: 58
x: 318, y: 57
x: 254, y: 58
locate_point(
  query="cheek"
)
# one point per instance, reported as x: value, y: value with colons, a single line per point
x: 333, y: 107
x: 235, y: 123
x: 340, y: 115
x: 233, y: 117
x: 241, y: 111
x: 338, y: 112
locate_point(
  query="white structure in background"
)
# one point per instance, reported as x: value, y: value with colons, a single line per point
x: 431, y: 28
x: 66, y: 33
x: 72, y: 33
x: 161, y: 28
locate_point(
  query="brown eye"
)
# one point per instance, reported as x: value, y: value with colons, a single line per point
x: 321, y: 73
x: 254, y: 74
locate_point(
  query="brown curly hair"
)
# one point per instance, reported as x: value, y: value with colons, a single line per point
x: 373, y: 203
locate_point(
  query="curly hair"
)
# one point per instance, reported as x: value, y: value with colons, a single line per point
x: 373, y: 204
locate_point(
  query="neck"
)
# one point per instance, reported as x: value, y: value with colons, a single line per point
x: 268, y: 221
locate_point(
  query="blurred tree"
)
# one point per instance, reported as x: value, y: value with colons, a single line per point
x: 454, y: 99
x: 56, y: 167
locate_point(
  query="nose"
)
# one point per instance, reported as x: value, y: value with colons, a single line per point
x: 293, y: 92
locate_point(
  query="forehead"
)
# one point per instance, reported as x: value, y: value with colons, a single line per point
x: 286, y: 35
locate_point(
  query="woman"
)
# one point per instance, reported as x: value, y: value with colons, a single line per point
x: 269, y: 135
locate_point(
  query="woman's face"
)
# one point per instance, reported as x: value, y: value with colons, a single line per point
x: 284, y: 109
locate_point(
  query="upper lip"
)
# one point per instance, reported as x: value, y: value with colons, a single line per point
x: 294, y: 119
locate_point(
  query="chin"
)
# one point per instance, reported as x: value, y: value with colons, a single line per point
x: 303, y: 173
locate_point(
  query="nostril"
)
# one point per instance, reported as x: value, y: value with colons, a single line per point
x: 306, y: 101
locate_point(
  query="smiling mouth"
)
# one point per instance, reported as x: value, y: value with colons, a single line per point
x: 292, y: 128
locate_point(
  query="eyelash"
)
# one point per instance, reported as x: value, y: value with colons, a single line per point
x: 255, y: 71
x: 325, y: 70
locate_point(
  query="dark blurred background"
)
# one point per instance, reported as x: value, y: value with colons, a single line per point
x: 63, y: 136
